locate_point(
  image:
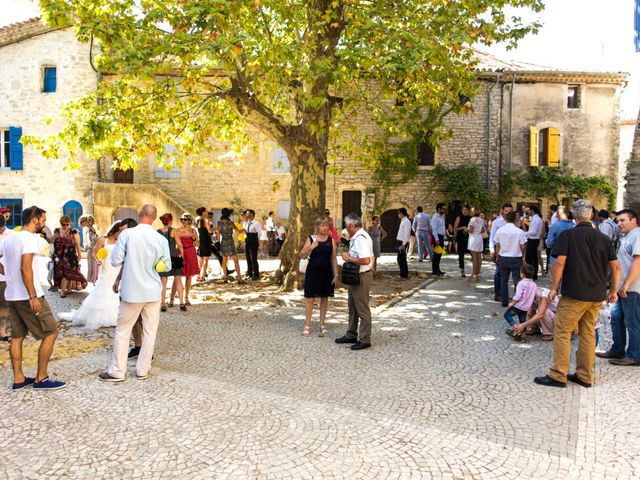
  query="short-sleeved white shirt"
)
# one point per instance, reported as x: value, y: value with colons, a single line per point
x: 629, y: 247
x: 12, y: 250
x: 361, y: 246
x: 3, y: 237
x: 510, y: 239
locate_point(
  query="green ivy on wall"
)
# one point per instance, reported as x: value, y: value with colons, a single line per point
x: 555, y: 183
x: 463, y: 184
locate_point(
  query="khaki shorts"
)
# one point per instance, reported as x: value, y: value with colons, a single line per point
x: 23, y: 320
x: 3, y: 302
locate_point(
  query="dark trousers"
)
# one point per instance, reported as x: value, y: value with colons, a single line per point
x: 251, y: 251
x: 497, y: 292
x: 402, y: 259
x: 531, y: 255
x: 435, y: 262
x: 508, y: 266
x: 273, y: 244
x: 463, y: 242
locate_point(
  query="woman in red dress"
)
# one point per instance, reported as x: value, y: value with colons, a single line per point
x: 66, y: 258
x: 189, y: 238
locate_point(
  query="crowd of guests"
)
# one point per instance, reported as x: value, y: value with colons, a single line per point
x: 594, y: 258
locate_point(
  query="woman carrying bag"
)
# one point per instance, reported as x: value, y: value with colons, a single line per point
x: 321, y: 273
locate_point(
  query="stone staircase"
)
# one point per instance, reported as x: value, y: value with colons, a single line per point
x: 109, y: 198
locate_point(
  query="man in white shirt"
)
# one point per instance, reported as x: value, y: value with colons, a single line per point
x: 533, y: 239
x: 28, y: 309
x: 495, y: 226
x: 140, y: 251
x: 361, y: 253
x: 553, y: 214
x: 439, y: 231
x: 253, y: 230
x: 272, y: 234
x: 422, y: 227
x: 510, y: 244
x: 402, y: 239
x: 4, y: 306
x: 282, y: 234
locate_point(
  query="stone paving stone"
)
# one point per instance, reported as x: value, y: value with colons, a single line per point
x: 241, y: 394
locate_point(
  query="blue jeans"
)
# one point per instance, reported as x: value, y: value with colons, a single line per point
x: 423, y: 237
x: 510, y: 312
x: 508, y: 266
x: 625, y: 326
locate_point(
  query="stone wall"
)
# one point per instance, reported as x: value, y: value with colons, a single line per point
x: 22, y: 104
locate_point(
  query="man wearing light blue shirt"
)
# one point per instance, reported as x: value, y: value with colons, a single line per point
x: 439, y: 230
x: 562, y: 223
x: 140, y: 250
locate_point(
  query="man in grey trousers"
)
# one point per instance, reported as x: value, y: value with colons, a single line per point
x: 361, y: 253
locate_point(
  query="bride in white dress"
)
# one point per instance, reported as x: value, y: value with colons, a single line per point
x: 100, y: 308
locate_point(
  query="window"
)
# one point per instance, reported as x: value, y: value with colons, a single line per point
x: 283, y: 208
x: 573, y: 96
x: 15, y: 206
x: 168, y: 169
x: 5, y: 149
x: 426, y: 155
x: 49, y: 79
x: 280, y: 161
x: 544, y: 147
x: 11, y: 148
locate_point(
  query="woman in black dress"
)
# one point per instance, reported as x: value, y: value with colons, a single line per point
x: 322, y: 272
x: 205, y: 229
x: 462, y: 238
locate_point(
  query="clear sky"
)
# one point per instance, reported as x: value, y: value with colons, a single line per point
x: 577, y: 35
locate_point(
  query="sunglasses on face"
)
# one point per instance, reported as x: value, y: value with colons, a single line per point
x: 65, y: 224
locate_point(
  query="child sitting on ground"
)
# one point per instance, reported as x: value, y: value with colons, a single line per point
x: 523, y: 299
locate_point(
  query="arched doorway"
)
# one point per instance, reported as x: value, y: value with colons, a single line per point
x: 126, y: 212
x: 391, y: 223
x: 73, y: 210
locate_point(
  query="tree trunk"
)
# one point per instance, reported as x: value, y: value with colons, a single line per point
x: 308, y: 188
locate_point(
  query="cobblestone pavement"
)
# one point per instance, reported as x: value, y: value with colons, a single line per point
x: 239, y: 393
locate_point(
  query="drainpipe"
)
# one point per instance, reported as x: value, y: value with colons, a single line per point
x: 489, y: 105
x: 513, y: 83
x: 500, y: 142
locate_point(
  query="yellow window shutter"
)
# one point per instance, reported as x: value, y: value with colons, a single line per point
x: 553, y: 147
x: 533, y: 147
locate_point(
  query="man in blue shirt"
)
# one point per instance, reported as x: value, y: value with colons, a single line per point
x: 139, y: 251
x: 562, y: 223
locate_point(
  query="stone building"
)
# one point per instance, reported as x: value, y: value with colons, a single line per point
x: 523, y: 115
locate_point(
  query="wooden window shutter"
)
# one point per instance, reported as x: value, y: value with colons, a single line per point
x: 553, y: 147
x: 49, y: 80
x: 15, y: 148
x: 533, y: 146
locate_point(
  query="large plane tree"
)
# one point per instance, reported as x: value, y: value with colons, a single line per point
x: 194, y: 73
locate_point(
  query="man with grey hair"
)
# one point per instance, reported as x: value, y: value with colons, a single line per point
x: 583, y: 255
x: 361, y: 253
x: 142, y: 252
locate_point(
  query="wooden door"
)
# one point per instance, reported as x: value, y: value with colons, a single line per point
x: 351, y: 203
x: 123, y: 176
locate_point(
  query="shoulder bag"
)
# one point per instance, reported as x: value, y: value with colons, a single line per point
x: 304, y: 263
x: 350, y: 274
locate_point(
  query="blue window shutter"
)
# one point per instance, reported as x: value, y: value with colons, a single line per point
x: 15, y: 148
x: 49, y: 80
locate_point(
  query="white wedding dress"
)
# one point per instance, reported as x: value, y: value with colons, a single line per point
x: 100, y: 308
